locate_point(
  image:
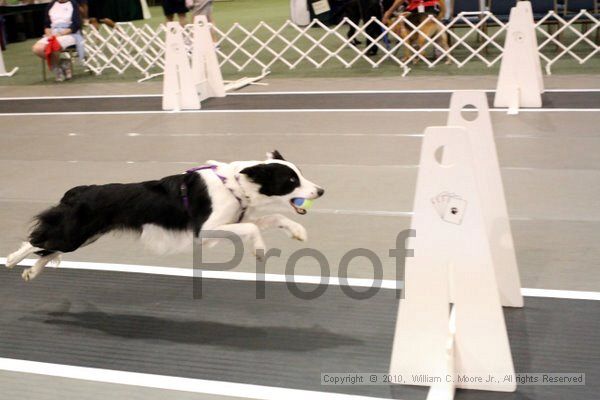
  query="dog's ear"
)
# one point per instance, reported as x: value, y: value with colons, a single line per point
x: 275, y: 155
x: 258, y: 173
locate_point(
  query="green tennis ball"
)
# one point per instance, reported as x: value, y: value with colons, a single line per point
x: 303, y: 203
x: 307, y: 204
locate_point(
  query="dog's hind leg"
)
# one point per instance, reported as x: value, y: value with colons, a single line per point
x: 24, y: 251
x: 423, y: 34
x: 404, y: 35
x: 446, y: 47
x: 31, y: 273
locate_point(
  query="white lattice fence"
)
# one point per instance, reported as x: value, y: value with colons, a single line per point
x: 472, y: 37
x: 583, y: 44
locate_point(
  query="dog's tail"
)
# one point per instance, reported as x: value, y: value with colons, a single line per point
x: 47, y: 227
x: 39, y: 233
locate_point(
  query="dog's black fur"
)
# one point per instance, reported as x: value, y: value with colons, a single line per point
x: 86, y: 212
x: 273, y: 179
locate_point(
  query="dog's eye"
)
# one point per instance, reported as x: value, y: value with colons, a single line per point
x: 292, y: 179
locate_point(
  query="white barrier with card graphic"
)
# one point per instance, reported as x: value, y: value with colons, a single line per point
x: 457, y: 262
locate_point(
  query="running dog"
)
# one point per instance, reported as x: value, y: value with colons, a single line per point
x: 168, y: 213
x: 417, y: 13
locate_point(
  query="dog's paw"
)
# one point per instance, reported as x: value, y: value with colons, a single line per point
x: 11, y: 261
x: 259, y: 254
x: 28, y: 274
x: 259, y: 249
x: 297, y: 231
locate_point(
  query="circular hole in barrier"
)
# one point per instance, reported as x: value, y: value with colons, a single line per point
x: 469, y: 113
x: 439, y: 156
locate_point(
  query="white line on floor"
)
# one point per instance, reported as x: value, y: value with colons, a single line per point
x: 334, y: 211
x: 95, y: 96
x: 202, y: 386
x: 375, y: 213
x: 227, y: 275
x: 307, y: 92
x: 274, y: 134
x: 310, y: 279
x: 278, y: 134
x: 396, y: 91
x: 303, y: 165
x: 560, y: 294
x: 306, y: 110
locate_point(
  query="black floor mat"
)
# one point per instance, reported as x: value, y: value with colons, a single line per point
x: 431, y: 100
x: 151, y: 324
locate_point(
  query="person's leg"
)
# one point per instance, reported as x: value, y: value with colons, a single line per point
x: 98, y: 13
x: 65, y: 64
x: 54, y: 59
x: 39, y: 47
x: 55, y: 66
x: 38, y: 50
x: 168, y: 10
x: 371, y: 8
x: 182, y: 20
x: 352, y: 12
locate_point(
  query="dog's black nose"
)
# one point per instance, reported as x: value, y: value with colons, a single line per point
x: 320, y: 192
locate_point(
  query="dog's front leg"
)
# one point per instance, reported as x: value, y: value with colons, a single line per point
x: 294, y: 229
x: 248, y: 232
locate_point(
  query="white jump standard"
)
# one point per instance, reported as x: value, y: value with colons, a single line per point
x: 184, y: 86
x: 3, y: 71
x: 520, y: 82
x: 463, y: 255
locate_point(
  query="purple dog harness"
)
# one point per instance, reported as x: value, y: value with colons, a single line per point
x: 184, y: 189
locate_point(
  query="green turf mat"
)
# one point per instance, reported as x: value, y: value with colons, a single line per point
x: 249, y: 13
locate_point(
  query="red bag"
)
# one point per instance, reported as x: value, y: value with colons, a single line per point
x: 52, y: 46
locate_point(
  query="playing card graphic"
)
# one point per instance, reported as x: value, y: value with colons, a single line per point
x: 450, y: 207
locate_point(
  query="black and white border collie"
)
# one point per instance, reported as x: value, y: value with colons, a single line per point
x: 169, y: 212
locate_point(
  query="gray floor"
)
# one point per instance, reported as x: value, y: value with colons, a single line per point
x: 367, y: 162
